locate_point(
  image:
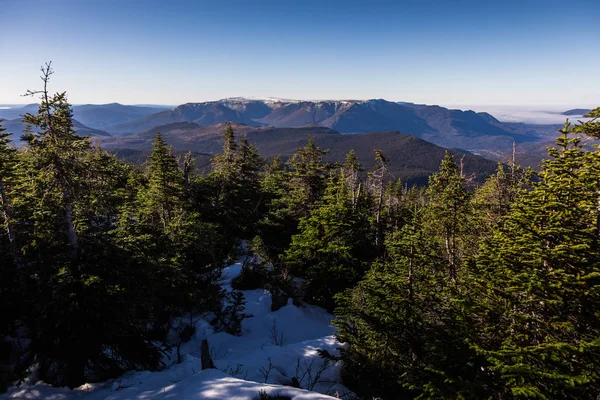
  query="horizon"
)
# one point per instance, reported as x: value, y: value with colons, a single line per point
x: 465, y: 53
x: 532, y: 114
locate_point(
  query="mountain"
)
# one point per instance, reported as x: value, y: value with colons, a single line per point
x: 15, y: 113
x: 207, y: 113
x: 411, y: 159
x: 102, y: 115
x: 449, y: 128
x: 16, y: 126
x: 577, y: 111
x: 96, y: 116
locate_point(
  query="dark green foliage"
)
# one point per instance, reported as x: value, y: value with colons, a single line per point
x: 447, y: 213
x: 252, y: 276
x: 591, y: 127
x: 230, y: 318
x: 106, y: 254
x: 10, y: 295
x: 542, y: 269
x: 335, y: 242
x: 403, y: 323
x: 263, y: 395
x: 236, y: 190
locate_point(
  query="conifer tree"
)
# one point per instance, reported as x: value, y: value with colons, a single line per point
x: 58, y: 153
x: 378, y: 178
x: 8, y: 162
x: 75, y: 270
x: 590, y: 127
x: 235, y: 174
x: 448, y: 211
x: 10, y: 290
x: 492, y: 200
x: 308, y: 177
x: 405, y: 332
x: 333, y: 246
x: 541, y: 268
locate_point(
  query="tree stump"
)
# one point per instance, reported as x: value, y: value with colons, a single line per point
x: 205, y: 358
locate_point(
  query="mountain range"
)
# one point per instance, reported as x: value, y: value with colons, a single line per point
x: 450, y: 128
x: 93, y: 117
x: 279, y: 126
x: 412, y: 159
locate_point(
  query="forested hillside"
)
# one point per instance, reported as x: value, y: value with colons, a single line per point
x: 453, y: 290
x: 409, y: 158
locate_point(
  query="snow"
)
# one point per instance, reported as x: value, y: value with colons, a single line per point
x: 274, y: 348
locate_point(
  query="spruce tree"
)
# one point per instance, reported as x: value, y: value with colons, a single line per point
x: 333, y: 246
x: 75, y: 270
x: 447, y: 211
x: 404, y: 328
x: 8, y: 164
x: 10, y: 290
x: 308, y: 177
x: 235, y: 176
x: 541, y: 269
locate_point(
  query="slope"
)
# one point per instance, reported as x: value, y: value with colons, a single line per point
x: 411, y: 159
x: 241, y: 361
x: 449, y: 128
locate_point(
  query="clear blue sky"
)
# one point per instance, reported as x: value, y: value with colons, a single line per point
x: 527, y: 52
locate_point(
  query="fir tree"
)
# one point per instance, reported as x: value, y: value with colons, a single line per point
x: 308, y: 177
x: 541, y: 327
x: 447, y: 210
x: 333, y: 246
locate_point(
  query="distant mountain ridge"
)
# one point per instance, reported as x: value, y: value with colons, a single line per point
x: 442, y: 126
x: 577, y: 111
x: 94, y: 116
x: 411, y: 159
x: 16, y: 127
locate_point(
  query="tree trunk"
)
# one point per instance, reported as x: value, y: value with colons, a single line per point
x: 73, y: 239
x: 379, y: 207
x: 205, y: 358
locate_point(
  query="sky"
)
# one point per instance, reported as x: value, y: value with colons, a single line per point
x: 475, y: 52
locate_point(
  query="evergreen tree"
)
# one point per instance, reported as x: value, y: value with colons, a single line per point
x: 333, y: 246
x: 540, y: 327
x: 590, y: 127
x: 492, y: 201
x: 405, y: 329
x: 235, y: 175
x: 447, y: 211
x: 73, y: 272
x: 289, y: 196
x: 308, y: 177
x: 10, y: 292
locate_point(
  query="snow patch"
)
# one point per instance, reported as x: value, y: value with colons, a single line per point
x: 275, y: 349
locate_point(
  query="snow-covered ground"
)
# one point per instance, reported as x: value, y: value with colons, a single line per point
x: 274, y: 348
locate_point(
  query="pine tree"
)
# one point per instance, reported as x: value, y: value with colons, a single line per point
x: 235, y: 175
x: 590, y: 127
x: 492, y: 201
x: 541, y: 270
x: 8, y: 162
x: 404, y: 328
x: 75, y: 270
x: 10, y: 290
x: 58, y: 153
x: 378, y: 179
x: 448, y: 211
x: 165, y: 185
x: 308, y: 177
x: 333, y: 246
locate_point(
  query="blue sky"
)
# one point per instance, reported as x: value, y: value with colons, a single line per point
x: 510, y: 52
